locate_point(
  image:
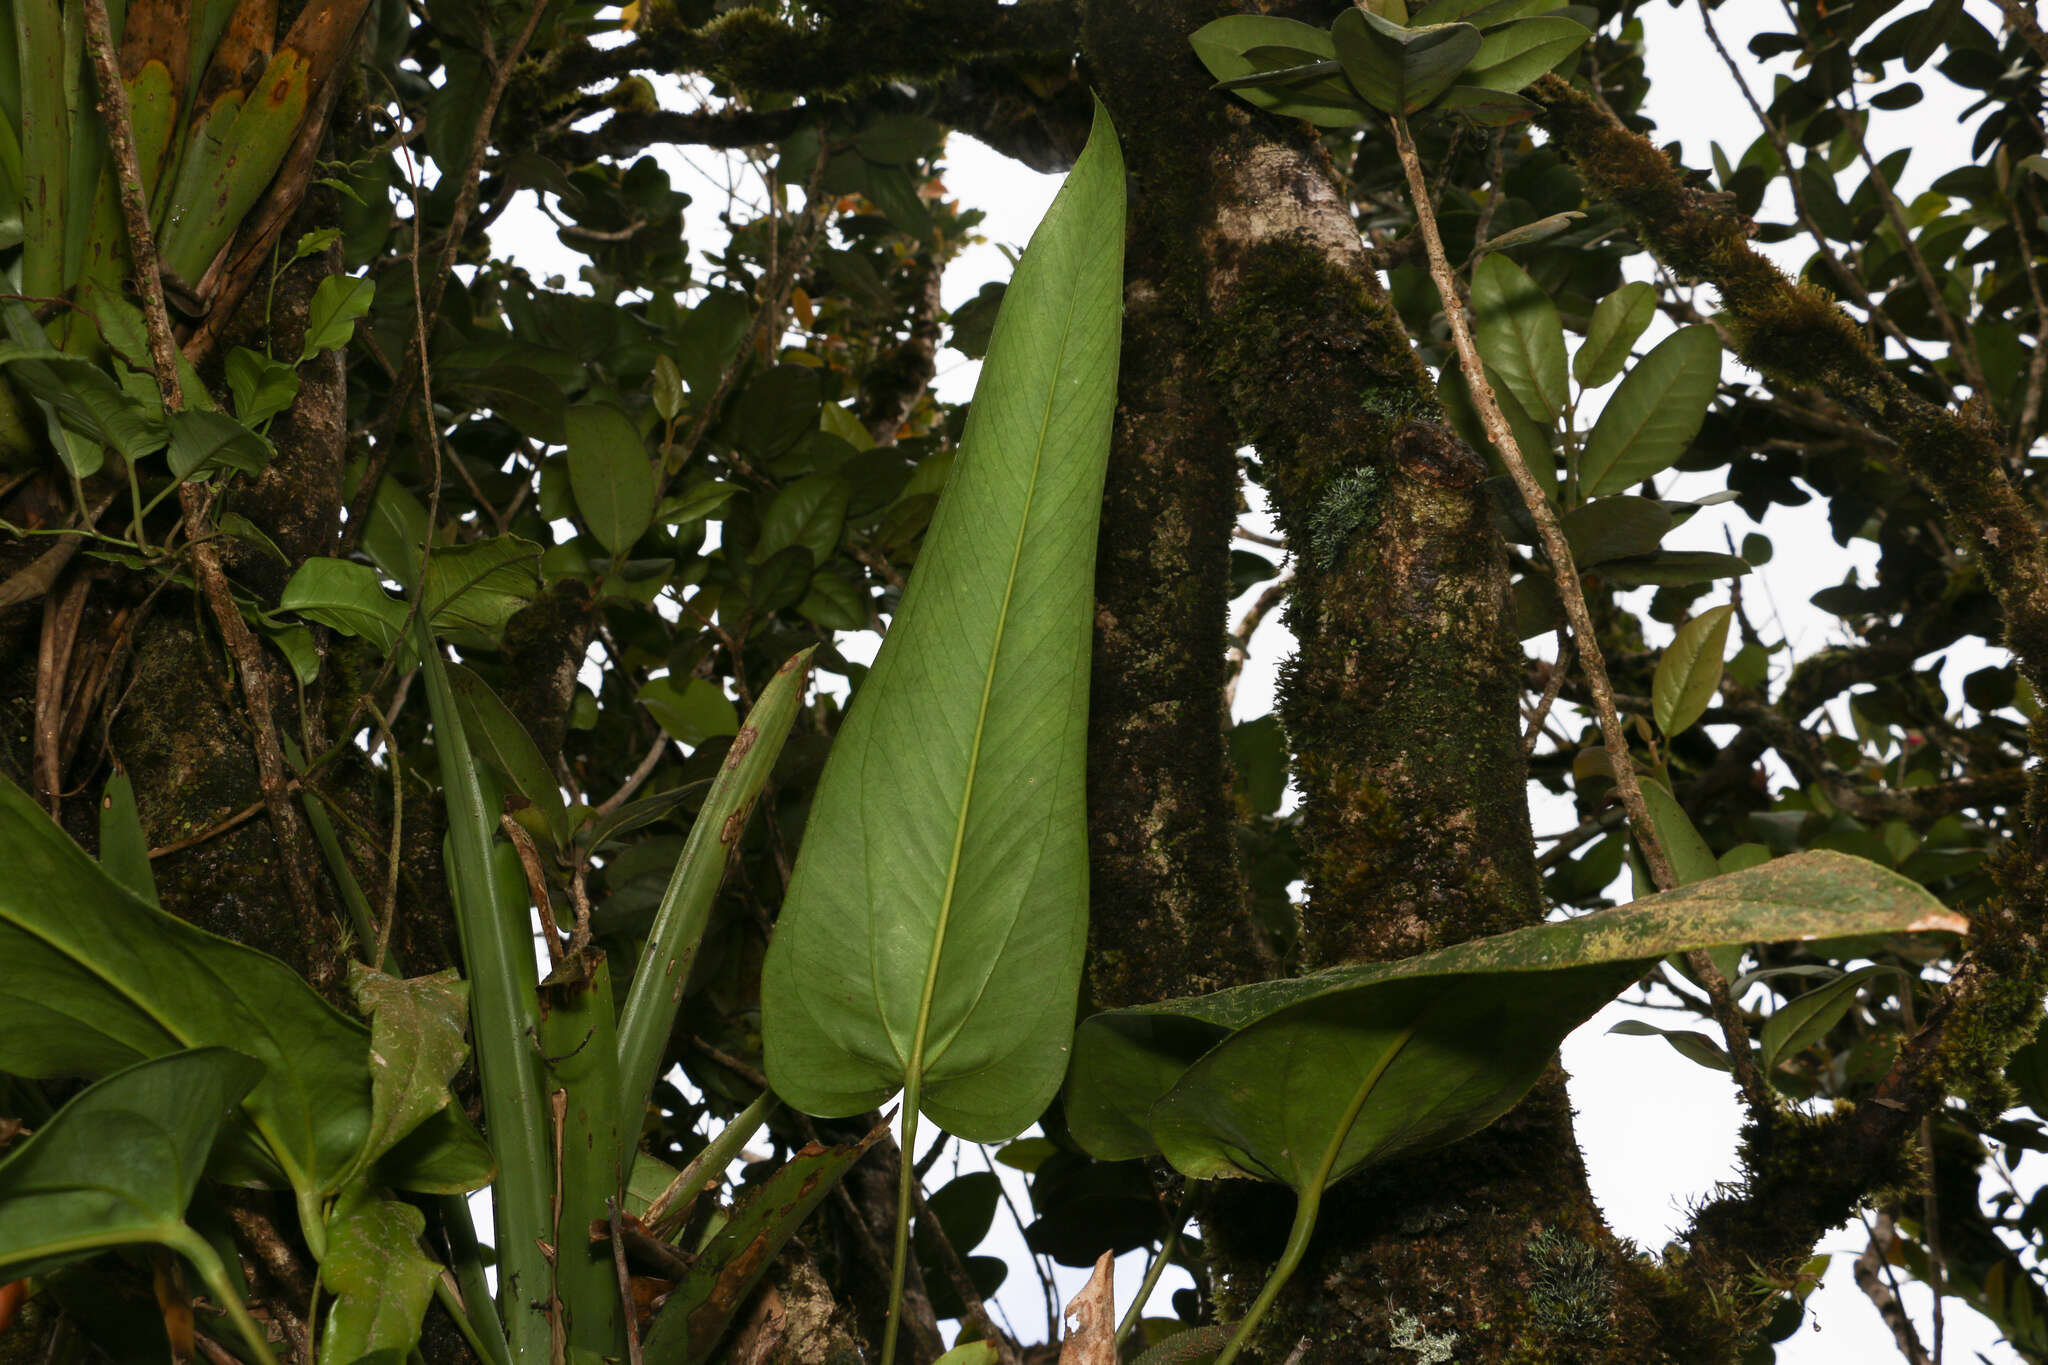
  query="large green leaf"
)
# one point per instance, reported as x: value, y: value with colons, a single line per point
x: 579, y: 1040
x: 1225, y: 47
x: 119, y: 1162
x: 1400, y: 70
x: 498, y: 738
x: 93, y: 979
x: 1655, y: 413
x: 1520, y: 337
x: 1357, y: 1064
x: 933, y: 931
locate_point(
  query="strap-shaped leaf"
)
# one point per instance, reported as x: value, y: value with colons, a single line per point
x: 1400, y: 70
x: 1357, y: 1064
x: 933, y: 931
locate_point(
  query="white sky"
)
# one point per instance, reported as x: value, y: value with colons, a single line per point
x: 1657, y: 1131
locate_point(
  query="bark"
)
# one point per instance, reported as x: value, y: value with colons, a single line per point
x: 1253, y: 318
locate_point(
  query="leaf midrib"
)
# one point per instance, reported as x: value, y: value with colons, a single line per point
x: 915, y: 1064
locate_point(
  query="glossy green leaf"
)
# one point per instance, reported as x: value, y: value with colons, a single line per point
x: 331, y: 316
x: 1691, y: 858
x: 1359, y: 1063
x: 970, y: 1353
x: 1694, y: 1046
x: 671, y: 952
x: 204, y: 443
x: 1673, y: 568
x: 119, y: 1162
x: 1224, y: 45
x: 260, y: 386
x: 1618, y: 320
x: 444, y: 1155
x: 695, y: 504
x: 124, y: 849
x: 932, y: 934
x: 1807, y: 1018
x: 1653, y: 416
x: 1520, y: 337
x: 1400, y: 70
x: 502, y: 742
x: 93, y: 979
x: 1486, y: 108
x: 810, y: 513
x: 473, y: 590
x: 667, y: 388
x: 694, y: 1318
x: 347, y: 597
x: 85, y: 399
x: 1515, y: 54
x: 610, y: 474
x: 1689, y: 673
x: 1529, y: 233
x: 381, y: 1282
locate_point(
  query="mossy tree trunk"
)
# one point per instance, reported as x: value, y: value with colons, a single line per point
x: 1254, y: 319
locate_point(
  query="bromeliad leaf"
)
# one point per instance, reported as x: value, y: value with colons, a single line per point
x: 932, y: 935
x: 694, y: 1318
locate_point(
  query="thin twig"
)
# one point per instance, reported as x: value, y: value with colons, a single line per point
x: 1874, y: 1277
x: 1552, y: 685
x: 637, y: 778
x: 1566, y: 575
x: 239, y: 817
